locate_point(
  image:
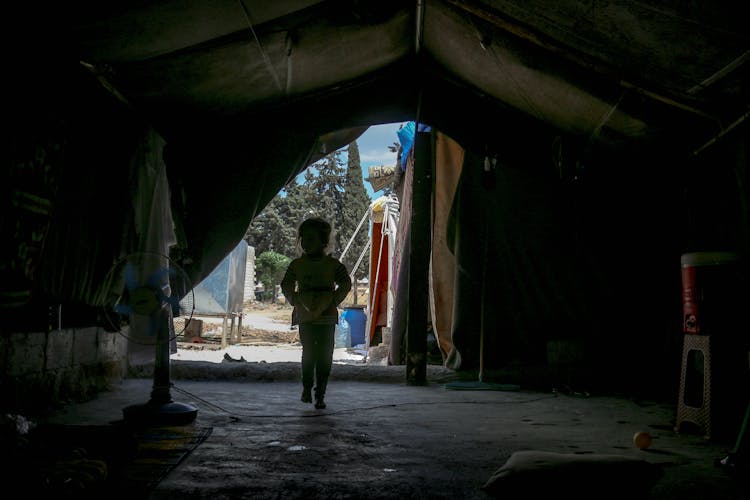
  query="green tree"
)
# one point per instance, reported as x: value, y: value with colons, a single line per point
x: 322, y: 194
x: 275, y: 227
x: 270, y: 268
x: 325, y: 181
x: 268, y: 230
x: 299, y: 199
x: 356, y: 203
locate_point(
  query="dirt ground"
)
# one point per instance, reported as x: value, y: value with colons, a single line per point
x: 267, y: 336
x: 279, y: 314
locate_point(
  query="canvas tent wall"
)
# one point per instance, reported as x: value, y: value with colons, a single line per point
x: 576, y: 251
x: 650, y: 103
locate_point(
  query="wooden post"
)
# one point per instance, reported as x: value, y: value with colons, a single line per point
x: 224, y: 341
x: 419, y: 255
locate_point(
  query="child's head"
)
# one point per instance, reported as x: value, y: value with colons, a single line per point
x: 314, y: 236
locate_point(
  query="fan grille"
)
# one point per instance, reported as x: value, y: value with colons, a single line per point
x: 137, y: 287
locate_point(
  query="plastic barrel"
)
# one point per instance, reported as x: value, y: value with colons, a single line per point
x: 355, y: 316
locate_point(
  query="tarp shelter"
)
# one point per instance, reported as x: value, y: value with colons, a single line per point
x: 222, y: 293
x: 384, y: 216
x: 619, y: 133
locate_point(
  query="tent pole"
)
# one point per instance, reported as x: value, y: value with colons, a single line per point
x: 419, y: 257
x: 481, y: 304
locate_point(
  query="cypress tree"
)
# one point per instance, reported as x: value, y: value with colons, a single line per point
x: 267, y: 232
x: 324, y: 182
x: 356, y: 203
x: 329, y: 191
x: 275, y: 227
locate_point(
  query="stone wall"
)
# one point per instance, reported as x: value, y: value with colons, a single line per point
x: 39, y: 371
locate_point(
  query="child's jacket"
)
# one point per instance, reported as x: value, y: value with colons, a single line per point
x: 315, y: 286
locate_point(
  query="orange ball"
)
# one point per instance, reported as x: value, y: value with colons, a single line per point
x: 642, y: 440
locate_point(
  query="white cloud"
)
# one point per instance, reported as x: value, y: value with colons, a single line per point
x: 377, y: 157
x: 373, y: 145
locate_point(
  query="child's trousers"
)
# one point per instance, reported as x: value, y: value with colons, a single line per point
x: 317, y: 355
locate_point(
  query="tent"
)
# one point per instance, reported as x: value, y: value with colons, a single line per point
x: 600, y: 141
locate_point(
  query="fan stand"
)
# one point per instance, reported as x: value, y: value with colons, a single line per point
x: 161, y: 409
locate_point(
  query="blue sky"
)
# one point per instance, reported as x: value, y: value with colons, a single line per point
x: 373, y: 150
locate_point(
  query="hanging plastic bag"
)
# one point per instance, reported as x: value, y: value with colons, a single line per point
x: 343, y: 334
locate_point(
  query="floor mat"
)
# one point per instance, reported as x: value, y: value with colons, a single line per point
x: 159, y: 450
x: 88, y: 461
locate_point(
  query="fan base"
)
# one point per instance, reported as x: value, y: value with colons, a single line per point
x: 170, y: 413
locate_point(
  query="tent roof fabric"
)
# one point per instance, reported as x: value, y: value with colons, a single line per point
x: 622, y: 68
x: 252, y: 91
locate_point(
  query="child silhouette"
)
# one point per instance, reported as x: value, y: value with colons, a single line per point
x: 315, y: 284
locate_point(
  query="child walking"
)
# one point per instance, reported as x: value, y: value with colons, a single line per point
x: 315, y: 284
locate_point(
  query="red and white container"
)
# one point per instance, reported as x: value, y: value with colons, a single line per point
x: 708, y: 280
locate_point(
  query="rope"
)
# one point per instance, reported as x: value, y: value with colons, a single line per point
x: 346, y: 249
x: 359, y: 260
x: 266, y: 60
x: 390, y: 221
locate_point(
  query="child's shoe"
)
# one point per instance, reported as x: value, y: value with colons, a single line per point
x: 319, y: 403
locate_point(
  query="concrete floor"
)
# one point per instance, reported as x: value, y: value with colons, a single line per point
x: 382, y: 438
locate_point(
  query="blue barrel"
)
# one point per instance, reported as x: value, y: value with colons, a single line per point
x: 355, y: 316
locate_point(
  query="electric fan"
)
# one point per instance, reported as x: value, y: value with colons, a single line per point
x: 145, y: 292
x: 141, y: 284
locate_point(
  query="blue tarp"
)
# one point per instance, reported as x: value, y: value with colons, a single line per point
x: 222, y: 292
x: 406, y: 138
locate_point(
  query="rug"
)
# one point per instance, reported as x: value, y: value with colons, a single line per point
x: 91, y: 461
x: 159, y: 450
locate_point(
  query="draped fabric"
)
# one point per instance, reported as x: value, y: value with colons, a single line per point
x: 379, y: 278
x: 76, y: 264
x: 93, y: 219
x: 546, y: 255
x: 449, y: 157
x: 101, y: 183
x: 251, y: 171
x: 519, y: 280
